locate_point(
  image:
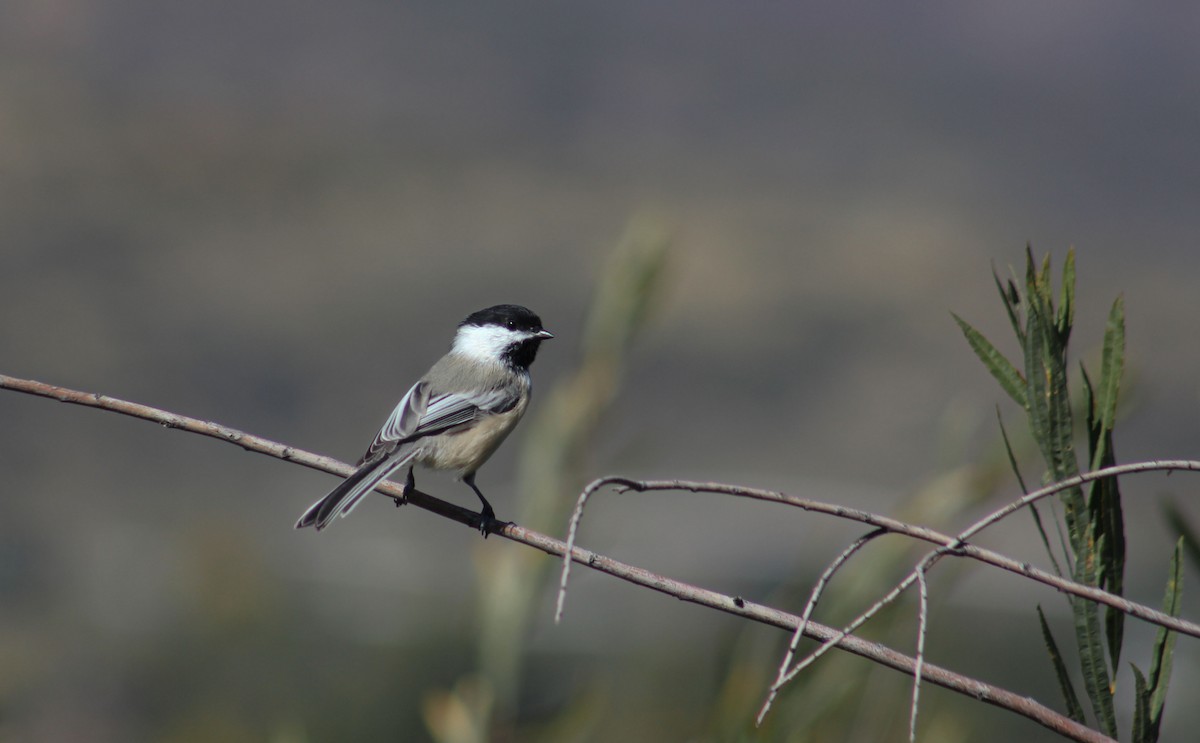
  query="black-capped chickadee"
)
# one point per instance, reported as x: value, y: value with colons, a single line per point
x: 456, y: 416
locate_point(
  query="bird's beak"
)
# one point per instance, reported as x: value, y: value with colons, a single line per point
x: 543, y: 335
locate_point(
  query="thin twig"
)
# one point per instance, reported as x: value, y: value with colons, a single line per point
x: 572, y: 531
x: 954, y: 546
x: 957, y: 545
x: 733, y: 605
x: 876, y: 652
x: 922, y: 625
x: 813, y: 598
x: 845, y: 631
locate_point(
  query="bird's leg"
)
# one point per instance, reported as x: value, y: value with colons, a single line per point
x: 487, y: 517
x: 410, y: 484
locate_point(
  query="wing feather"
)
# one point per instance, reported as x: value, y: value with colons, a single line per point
x: 421, y: 413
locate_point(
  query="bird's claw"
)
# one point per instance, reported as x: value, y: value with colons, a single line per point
x: 489, y: 524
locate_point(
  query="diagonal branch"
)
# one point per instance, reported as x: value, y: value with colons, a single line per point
x: 881, y: 654
x: 956, y: 546
x: 947, y: 544
x: 730, y: 604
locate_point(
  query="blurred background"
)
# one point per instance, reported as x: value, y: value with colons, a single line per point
x: 272, y: 215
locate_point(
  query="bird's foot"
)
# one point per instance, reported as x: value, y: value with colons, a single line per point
x: 409, y: 485
x: 488, y: 523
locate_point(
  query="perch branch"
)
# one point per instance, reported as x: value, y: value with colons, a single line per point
x: 685, y: 592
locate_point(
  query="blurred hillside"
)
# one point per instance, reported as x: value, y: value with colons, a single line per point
x: 271, y: 215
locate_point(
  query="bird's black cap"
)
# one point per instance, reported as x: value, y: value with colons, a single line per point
x: 521, y: 353
x: 511, y: 316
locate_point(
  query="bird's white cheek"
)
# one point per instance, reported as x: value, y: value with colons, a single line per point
x: 486, y: 343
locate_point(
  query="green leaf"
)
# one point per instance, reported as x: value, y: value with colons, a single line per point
x: 1000, y: 367
x: 1066, y: 299
x: 1108, y: 526
x: 1107, y: 523
x: 1141, y: 707
x: 1012, y: 301
x: 1051, y: 422
x: 1091, y: 663
x: 1104, y: 500
x: 1050, y: 411
x: 1164, y: 643
x: 1033, y: 509
x: 1037, y: 376
x: 1012, y: 457
x: 1113, y: 581
x: 1074, y: 708
x: 1041, y: 283
x: 1094, y: 525
x: 1112, y: 367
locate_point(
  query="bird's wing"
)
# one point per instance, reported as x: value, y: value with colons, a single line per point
x: 419, y: 414
x: 422, y: 413
x: 402, y: 423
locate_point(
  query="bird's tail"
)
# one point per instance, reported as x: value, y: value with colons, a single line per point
x: 342, y: 499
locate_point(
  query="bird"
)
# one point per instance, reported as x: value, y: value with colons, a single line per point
x: 455, y: 417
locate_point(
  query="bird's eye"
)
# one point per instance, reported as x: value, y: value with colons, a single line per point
x: 511, y: 325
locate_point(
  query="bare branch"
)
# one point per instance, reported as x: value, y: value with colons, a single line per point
x: 922, y: 625
x: 733, y: 605
x: 880, y: 654
x: 247, y: 441
x: 954, y: 546
x: 572, y: 531
x: 818, y: 589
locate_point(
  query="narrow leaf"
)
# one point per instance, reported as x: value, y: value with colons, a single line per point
x: 1038, y: 389
x: 1000, y: 367
x: 1051, y: 421
x: 1049, y: 409
x: 1012, y: 457
x: 1141, y: 707
x: 1104, y: 501
x: 1074, y: 708
x: 1106, y: 521
x: 1031, y: 277
x: 1012, y: 300
x: 1033, y: 509
x: 1042, y: 284
x: 1164, y: 643
x: 1108, y: 524
x: 1113, y: 582
x: 1066, y: 299
x: 1112, y: 367
x: 1092, y: 664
